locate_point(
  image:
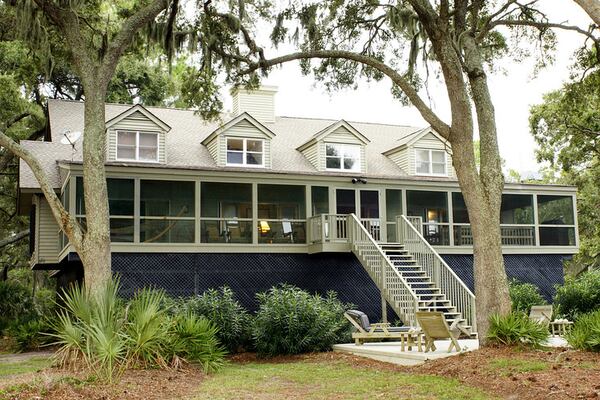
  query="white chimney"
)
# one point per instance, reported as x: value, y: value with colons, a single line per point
x: 259, y: 103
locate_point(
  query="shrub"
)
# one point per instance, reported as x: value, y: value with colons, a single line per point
x: 578, y: 295
x: 585, y: 334
x: 221, y: 308
x: 292, y: 321
x: 16, y: 303
x: 29, y: 335
x: 517, y: 329
x: 524, y: 295
x: 108, y: 335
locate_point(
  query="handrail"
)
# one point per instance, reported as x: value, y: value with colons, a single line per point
x: 444, y: 277
x: 390, y: 282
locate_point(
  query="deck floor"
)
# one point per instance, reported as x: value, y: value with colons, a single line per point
x: 390, y: 351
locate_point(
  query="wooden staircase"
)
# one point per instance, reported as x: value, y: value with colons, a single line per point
x: 430, y: 297
x: 412, y: 277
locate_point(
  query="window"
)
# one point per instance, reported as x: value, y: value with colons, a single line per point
x: 137, y: 146
x: 248, y: 152
x: 431, y: 162
x: 345, y: 157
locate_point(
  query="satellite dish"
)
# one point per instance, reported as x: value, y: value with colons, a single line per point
x: 70, y: 137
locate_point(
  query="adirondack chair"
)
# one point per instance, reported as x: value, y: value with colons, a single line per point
x: 366, y: 331
x: 541, y: 314
x: 435, y: 327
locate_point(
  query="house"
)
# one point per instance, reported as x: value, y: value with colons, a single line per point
x: 372, y: 211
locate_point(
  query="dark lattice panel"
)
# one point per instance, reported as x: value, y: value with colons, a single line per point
x: 248, y: 274
x: 543, y: 270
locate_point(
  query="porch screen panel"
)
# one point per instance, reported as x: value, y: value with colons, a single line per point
x: 432, y: 207
x: 120, y: 206
x: 167, y: 211
x: 516, y: 220
x: 226, y: 212
x: 320, y: 200
x: 557, y: 222
x: 281, y: 214
x: 393, y: 209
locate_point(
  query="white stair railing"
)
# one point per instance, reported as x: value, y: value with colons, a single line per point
x: 390, y: 282
x: 444, y: 277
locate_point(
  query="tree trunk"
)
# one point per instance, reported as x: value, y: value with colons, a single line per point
x: 592, y: 8
x: 95, y: 251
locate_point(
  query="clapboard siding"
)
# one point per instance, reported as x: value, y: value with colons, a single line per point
x: 136, y: 122
x: 401, y: 158
x: 342, y: 135
x: 312, y: 155
x: 46, y: 234
x: 259, y: 104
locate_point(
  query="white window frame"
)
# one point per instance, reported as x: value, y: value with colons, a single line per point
x: 244, y: 152
x: 357, y: 166
x: 430, y: 163
x: 137, y: 146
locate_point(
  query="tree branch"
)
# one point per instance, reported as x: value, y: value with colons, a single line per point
x: 543, y: 25
x: 66, y: 222
x: 125, y: 35
x: 426, y: 112
x: 14, y: 238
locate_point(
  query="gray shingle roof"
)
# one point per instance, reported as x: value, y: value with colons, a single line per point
x: 184, y: 147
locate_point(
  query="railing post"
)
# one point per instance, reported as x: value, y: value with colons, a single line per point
x: 323, y: 229
x: 383, y: 308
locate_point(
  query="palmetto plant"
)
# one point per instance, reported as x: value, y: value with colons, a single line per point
x: 107, y: 335
x: 90, y: 329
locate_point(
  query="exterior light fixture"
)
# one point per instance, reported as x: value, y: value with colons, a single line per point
x: 359, y: 180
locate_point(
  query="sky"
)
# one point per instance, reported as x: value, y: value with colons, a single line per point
x: 513, y: 92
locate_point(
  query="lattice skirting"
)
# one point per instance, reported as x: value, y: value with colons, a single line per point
x: 187, y: 274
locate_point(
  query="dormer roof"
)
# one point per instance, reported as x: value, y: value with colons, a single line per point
x: 236, y: 120
x: 137, y: 111
x: 413, y: 138
x: 323, y: 133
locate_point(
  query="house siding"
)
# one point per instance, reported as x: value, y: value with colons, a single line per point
x: 312, y: 155
x: 259, y: 104
x: 47, y: 234
x: 135, y: 122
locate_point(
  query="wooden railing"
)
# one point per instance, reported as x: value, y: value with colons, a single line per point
x: 328, y: 228
x: 512, y: 235
x: 392, y: 285
x: 444, y: 277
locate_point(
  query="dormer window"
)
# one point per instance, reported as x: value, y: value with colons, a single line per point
x: 344, y: 157
x: 431, y: 162
x: 137, y: 146
x: 245, y: 152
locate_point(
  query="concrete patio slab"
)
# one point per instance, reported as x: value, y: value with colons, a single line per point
x: 390, y: 351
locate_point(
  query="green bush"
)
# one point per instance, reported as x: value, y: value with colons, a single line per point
x: 29, y: 335
x: 108, y: 335
x: 292, y: 321
x: 16, y: 303
x: 578, y: 295
x: 221, y: 308
x: 585, y: 334
x: 524, y: 295
x: 517, y: 329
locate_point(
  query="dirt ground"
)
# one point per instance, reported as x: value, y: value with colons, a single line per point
x: 502, y: 372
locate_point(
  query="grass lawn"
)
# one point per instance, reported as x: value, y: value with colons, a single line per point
x: 328, y: 379
x: 23, y: 366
